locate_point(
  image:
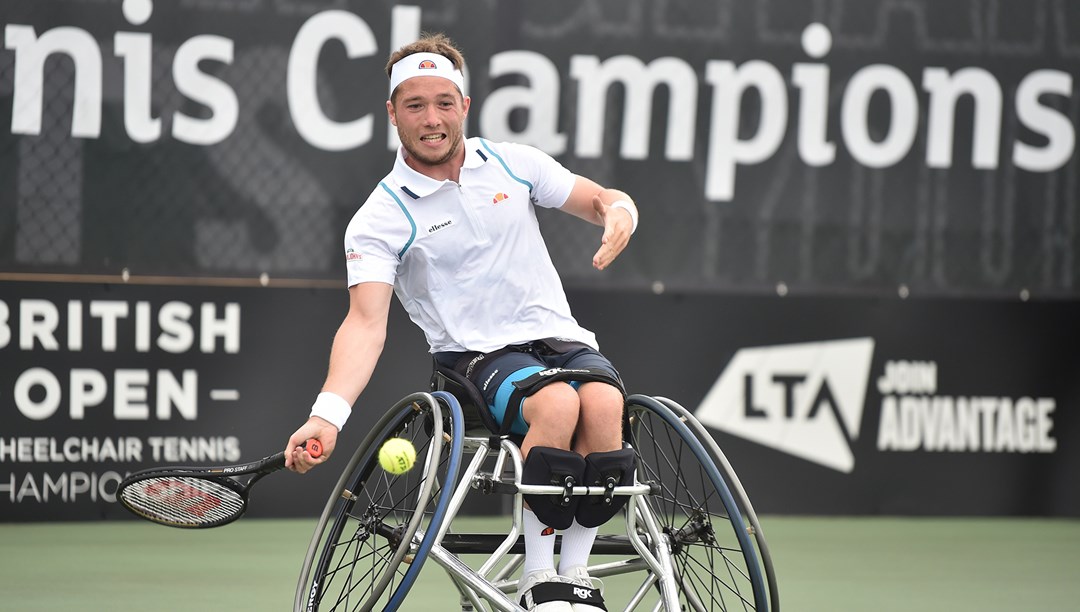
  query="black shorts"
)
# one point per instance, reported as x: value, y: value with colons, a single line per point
x: 494, y: 374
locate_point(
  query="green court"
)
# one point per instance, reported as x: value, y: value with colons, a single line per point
x: 823, y: 564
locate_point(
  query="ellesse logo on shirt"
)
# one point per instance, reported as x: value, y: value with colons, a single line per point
x: 439, y: 226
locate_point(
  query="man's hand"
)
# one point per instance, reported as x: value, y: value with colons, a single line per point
x: 298, y: 459
x: 618, y: 224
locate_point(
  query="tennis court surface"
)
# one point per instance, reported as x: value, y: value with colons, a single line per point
x: 824, y: 565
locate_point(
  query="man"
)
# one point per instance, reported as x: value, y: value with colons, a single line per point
x: 453, y: 232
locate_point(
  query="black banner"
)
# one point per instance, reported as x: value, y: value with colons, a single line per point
x: 823, y: 405
x: 854, y: 147
x: 868, y: 406
x: 100, y: 380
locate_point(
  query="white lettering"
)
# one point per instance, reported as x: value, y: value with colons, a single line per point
x: 855, y: 115
x: 302, y: 79
x: 72, y: 450
x: 176, y: 333
x: 130, y: 395
x: 176, y: 449
x: 142, y: 327
x: 908, y: 377
x: 726, y: 149
x: 945, y: 90
x: 131, y: 322
x: 31, y: 51
x: 38, y: 320
x: 977, y: 424
x: 75, y: 328
x: 180, y: 395
x: 67, y: 487
x: 540, y: 98
x: 135, y: 49
x: 1039, y: 106
x: 227, y: 328
x: 109, y: 312
x: 639, y: 81
x: 207, y: 90
x: 27, y: 406
x: 1045, y: 121
x: 88, y: 388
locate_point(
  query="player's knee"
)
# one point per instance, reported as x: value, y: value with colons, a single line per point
x: 602, y: 410
x: 555, y: 404
x: 602, y: 398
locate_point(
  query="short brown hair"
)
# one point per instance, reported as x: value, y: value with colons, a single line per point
x: 430, y: 42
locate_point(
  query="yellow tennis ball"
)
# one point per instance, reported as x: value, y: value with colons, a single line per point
x: 397, y: 455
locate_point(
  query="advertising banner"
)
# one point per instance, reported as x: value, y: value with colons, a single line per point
x: 868, y: 406
x: 100, y: 380
x: 841, y: 147
x: 823, y: 405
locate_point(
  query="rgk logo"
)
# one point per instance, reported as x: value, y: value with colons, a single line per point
x: 803, y: 399
x: 582, y: 593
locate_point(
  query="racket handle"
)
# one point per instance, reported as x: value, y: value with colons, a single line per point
x: 314, y: 447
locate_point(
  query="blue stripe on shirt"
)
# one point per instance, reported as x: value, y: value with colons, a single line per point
x: 412, y: 223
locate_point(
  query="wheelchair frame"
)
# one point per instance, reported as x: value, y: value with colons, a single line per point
x: 377, y: 530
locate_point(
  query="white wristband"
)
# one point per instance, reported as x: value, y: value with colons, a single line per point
x: 628, y: 207
x: 331, y: 407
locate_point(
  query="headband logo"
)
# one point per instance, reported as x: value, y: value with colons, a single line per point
x: 427, y: 64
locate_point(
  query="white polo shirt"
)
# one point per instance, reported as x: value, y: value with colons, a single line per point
x: 467, y: 259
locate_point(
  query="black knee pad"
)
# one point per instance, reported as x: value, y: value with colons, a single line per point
x: 553, y: 466
x: 608, y: 469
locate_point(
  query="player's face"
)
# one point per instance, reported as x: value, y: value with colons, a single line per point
x: 429, y: 113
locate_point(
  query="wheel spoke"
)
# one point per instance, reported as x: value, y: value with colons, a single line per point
x: 708, y: 558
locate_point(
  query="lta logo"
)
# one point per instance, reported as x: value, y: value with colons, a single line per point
x: 803, y: 399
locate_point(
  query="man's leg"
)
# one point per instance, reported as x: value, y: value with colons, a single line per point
x: 599, y: 423
x: 552, y: 414
x: 555, y: 421
x: 599, y: 429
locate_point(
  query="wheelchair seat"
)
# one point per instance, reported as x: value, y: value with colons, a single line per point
x: 478, y: 419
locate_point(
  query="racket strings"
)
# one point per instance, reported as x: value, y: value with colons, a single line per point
x: 182, y: 500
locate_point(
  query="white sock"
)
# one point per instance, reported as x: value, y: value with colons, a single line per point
x: 577, y: 543
x: 539, y: 544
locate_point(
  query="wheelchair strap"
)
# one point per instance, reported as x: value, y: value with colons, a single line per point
x: 527, y: 386
x: 543, y: 592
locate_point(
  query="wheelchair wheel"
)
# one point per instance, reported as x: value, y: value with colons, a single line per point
x: 716, y: 562
x: 377, y: 528
x: 741, y: 498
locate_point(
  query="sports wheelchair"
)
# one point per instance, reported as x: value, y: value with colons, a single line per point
x: 687, y: 537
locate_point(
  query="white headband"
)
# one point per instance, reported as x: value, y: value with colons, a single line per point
x: 425, y: 64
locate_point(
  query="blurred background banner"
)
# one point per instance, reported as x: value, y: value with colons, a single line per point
x: 823, y: 405
x: 857, y: 261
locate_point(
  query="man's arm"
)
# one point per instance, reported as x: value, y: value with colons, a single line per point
x: 593, y: 203
x: 356, y: 349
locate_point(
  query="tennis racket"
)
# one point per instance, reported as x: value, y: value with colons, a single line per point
x: 198, y: 497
